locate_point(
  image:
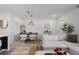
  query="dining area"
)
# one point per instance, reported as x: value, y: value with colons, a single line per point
x: 28, y: 36
x: 33, y: 38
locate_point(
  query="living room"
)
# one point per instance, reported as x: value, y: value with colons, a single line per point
x: 39, y: 29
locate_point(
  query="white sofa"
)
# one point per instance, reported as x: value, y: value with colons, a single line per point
x: 50, y: 45
x: 52, y: 41
x: 70, y: 44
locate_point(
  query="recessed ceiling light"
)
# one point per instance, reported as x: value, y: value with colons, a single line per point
x: 54, y: 15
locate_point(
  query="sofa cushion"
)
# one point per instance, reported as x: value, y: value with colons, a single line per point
x: 62, y: 37
x: 54, y: 44
x: 50, y: 37
x: 70, y: 44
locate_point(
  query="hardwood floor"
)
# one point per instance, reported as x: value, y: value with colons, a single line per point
x: 23, y: 48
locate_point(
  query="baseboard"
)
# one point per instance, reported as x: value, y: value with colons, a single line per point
x: 5, y: 50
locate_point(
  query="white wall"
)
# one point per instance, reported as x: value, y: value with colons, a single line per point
x: 5, y: 16
x: 39, y: 25
x: 5, y: 32
x: 72, y: 17
x: 13, y: 29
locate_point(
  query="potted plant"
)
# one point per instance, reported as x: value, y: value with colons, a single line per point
x: 68, y: 29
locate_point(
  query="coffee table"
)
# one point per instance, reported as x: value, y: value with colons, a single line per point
x: 43, y: 52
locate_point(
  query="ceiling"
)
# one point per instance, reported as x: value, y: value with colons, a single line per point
x: 37, y: 10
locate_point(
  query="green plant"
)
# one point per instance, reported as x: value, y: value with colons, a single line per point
x: 67, y: 28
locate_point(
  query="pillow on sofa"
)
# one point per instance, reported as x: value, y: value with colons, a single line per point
x: 62, y: 37
x: 50, y: 37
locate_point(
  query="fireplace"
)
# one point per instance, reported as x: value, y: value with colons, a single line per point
x: 4, y: 41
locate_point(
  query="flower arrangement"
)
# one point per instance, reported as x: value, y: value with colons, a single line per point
x: 60, y: 52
